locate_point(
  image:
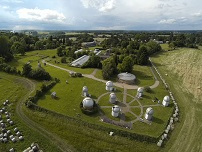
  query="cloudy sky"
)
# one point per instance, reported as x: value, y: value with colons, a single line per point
x: 101, y: 14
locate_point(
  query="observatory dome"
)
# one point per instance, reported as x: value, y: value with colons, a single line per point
x: 116, y: 109
x: 112, y: 96
x: 149, y: 111
x: 140, y: 89
x: 166, y: 98
x: 85, y: 89
x: 109, y: 84
x: 88, y: 102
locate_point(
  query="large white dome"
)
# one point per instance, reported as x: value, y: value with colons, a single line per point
x: 149, y: 111
x: 87, y: 102
x: 116, y: 109
x: 85, y: 89
x: 109, y: 84
x: 166, y: 98
x: 140, y: 89
x: 112, y: 95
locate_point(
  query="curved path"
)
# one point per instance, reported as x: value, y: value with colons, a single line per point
x: 117, y: 84
x: 35, y: 126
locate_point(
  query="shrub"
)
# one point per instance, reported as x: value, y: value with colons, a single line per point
x: 63, y: 60
x: 147, y: 89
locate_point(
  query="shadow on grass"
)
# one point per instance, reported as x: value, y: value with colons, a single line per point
x: 121, y: 104
x: 157, y: 120
x: 147, y: 97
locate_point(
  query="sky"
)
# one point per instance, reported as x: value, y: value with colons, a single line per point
x: 100, y: 14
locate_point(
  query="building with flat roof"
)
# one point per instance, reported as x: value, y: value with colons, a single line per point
x: 127, y: 78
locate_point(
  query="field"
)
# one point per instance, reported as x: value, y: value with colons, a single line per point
x: 184, y: 69
x: 180, y: 76
x: 13, y: 89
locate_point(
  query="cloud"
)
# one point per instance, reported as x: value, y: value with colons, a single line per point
x: 111, y: 28
x: 22, y: 27
x: 167, y: 21
x: 101, y: 5
x: 13, y: 1
x: 45, y: 15
x: 197, y: 14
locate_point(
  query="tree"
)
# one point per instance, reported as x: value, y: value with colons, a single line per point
x: 5, y: 48
x: 63, y: 60
x: 127, y: 65
x: 171, y: 45
x: 108, y: 68
x: 153, y: 47
x: 27, y: 68
x: 59, y: 51
x: 142, y: 56
x: 93, y: 62
x: 18, y: 47
x: 39, y: 45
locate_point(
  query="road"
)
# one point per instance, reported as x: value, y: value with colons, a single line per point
x: 33, y: 125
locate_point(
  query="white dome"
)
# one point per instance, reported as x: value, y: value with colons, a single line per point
x: 116, y: 109
x: 112, y: 96
x: 87, y: 102
x: 85, y: 89
x: 109, y: 84
x: 149, y: 111
x: 166, y: 98
x: 140, y: 89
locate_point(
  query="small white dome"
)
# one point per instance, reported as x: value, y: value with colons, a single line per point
x: 140, y: 89
x: 166, y: 98
x: 116, y: 109
x: 87, y: 102
x: 149, y: 111
x: 109, y: 84
x: 112, y: 96
x: 85, y: 89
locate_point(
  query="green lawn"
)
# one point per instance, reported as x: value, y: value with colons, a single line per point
x: 159, y: 122
x: 165, y: 47
x: 143, y: 75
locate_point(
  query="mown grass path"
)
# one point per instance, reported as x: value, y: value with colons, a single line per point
x: 35, y: 126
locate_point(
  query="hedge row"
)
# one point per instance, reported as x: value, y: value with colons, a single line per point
x: 9, y: 69
x: 39, y: 93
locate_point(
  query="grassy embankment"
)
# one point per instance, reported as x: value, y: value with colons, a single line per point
x: 184, y: 69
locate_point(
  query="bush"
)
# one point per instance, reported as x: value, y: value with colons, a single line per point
x: 147, y: 89
x: 63, y: 60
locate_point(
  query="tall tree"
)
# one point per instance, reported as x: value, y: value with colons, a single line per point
x: 108, y: 68
x: 5, y: 48
x: 142, y: 56
x: 127, y: 65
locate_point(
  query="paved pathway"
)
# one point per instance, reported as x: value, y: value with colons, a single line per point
x: 91, y: 76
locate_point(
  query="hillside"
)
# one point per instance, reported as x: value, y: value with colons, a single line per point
x: 184, y: 69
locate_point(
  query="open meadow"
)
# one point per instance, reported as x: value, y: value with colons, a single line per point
x: 184, y: 70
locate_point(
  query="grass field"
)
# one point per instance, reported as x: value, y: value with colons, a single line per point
x: 12, y: 89
x: 184, y: 80
x: 184, y: 69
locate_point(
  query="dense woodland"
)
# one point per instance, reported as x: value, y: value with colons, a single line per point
x: 125, y: 48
